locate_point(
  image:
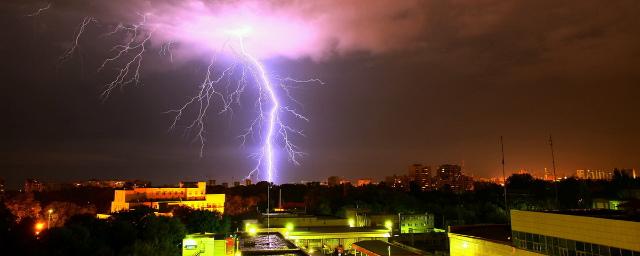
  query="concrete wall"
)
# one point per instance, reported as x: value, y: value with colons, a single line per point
x: 460, y: 245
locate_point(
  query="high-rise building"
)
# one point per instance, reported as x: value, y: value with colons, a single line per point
x: 449, y: 172
x: 450, y: 175
x: 421, y: 175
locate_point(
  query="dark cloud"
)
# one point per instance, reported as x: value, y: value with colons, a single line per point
x: 424, y: 81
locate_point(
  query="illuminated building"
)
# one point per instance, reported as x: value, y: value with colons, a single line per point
x: 593, y: 174
x: 483, y: 240
x: 578, y: 232
x: 319, y: 234
x: 416, y: 223
x: 449, y: 172
x: 162, y: 199
x: 451, y: 175
x: 363, y: 182
x: 582, y: 232
x: 606, y: 204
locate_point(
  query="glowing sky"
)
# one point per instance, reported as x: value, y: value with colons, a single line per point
x: 407, y: 81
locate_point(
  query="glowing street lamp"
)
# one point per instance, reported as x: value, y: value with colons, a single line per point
x: 352, y: 223
x: 39, y: 227
x: 50, y: 211
x: 388, y: 224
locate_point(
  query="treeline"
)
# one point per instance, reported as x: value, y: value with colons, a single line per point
x: 484, y: 204
x: 135, y: 232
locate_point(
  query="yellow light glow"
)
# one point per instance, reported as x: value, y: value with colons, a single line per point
x: 253, y: 231
x: 39, y: 226
x: 311, y: 250
x: 289, y: 226
x: 352, y: 223
x: 238, y: 253
x: 50, y: 211
x: 388, y: 224
x: 190, y: 242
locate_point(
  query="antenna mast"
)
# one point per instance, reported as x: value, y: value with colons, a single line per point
x: 553, y: 162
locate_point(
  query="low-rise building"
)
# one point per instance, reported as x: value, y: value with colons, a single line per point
x: 416, y: 223
x: 165, y: 198
x: 579, y: 232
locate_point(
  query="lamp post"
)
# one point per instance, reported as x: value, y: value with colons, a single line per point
x: 50, y: 211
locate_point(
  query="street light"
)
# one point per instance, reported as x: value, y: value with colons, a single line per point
x: 50, y: 211
x: 388, y: 224
x: 38, y: 228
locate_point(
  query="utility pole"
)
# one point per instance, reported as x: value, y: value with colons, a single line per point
x: 553, y: 162
x: 504, y: 178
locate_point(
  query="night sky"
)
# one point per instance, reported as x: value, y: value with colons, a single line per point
x: 423, y: 82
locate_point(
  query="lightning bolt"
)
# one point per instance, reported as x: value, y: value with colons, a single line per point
x: 40, y: 11
x: 224, y: 87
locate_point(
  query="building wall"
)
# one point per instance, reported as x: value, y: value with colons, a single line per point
x: 416, y: 223
x: 460, y: 245
x: 607, y: 232
x: 184, y: 196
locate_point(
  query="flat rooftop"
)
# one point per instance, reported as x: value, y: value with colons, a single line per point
x: 339, y: 229
x: 600, y: 213
x: 377, y: 247
x: 500, y: 233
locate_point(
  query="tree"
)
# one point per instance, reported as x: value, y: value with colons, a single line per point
x: 23, y: 206
x: 160, y: 236
x: 62, y: 211
x: 201, y: 221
